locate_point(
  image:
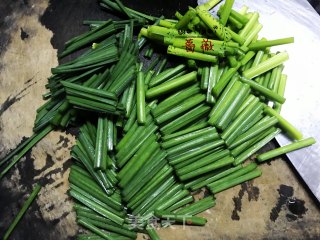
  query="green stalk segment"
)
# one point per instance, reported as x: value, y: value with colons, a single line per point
x: 241, y: 170
x: 191, y: 54
x: 174, y: 99
x: 141, y: 102
x: 187, y: 137
x: 251, y: 175
x: 215, y: 156
x: 226, y: 12
x: 166, y: 75
x: 204, y: 45
x: 209, y: 4
x: 250, y: 24
x: 195, y: 152
x: 100, y: 156
x: 197, y: 207
x: 188, y: 220
x: 215, y: 165
x: 181, y: 108
x: 264, y: 91
x: 87, y: 224
x: 152, y: 233
x: 257, y: 129
x: 265, y: 66
x: 96, y: 207
x: 22, y: 211
x: 284, y: 124
x: 29, y: 144
x: 262, y: 44
x: 215, y: 177
x: 171, y: 85
x: 254, y: 148
x: 280, y: 91
x: 183, y: 22
x: 286, y: 149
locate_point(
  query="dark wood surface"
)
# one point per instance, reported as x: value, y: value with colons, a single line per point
x: 31, y: 32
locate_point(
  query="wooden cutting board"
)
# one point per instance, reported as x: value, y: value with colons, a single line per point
x: 274, y: 206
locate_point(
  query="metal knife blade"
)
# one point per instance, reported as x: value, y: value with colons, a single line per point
x: 297, y: 18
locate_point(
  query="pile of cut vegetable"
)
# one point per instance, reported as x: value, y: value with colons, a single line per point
x: 152, y: 134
